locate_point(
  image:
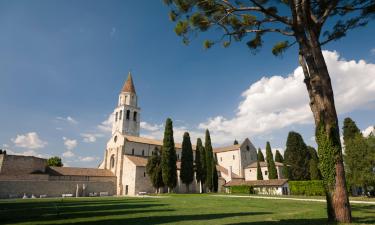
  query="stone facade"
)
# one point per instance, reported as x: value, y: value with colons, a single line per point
x: 251, y: 171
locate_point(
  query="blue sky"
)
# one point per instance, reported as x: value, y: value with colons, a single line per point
x: 62, y: 65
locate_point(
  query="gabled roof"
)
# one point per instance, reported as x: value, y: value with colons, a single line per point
x: 149, y: 141
x: 74, y: 171
x: 263, y: 164
x: 227, y: 148
x: 257, y: 183
x: 129, y: 85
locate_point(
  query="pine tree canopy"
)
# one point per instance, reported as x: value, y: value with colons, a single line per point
x: 296, y: 156
x: 278, y: 157
x: 187, y: 165
x: 260, y: 155
x: 169, y: 157
x: 259, y: 171
x: 313, y: 164
x: 209, y: 162
x: 198, y: 160
x: 272, y: 171
x: 350, y: 129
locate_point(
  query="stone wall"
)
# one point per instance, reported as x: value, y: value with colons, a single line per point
x: 16, y: 164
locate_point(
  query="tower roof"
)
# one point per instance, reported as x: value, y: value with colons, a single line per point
x: 129, y: 85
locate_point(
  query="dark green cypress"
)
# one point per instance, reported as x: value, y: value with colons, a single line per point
x: 153, y: 170
x: 278, y: 157
x: 350, y: 130
x: 187, y: 165
x: 260, y: 155
x: 209, y: 161
x: 235, y: 142
x: 198, y: 161
x: 204, y: 167
x: 169, y: 157
x: 259, y: 171
x: 215, y: 178
x: 313, y: 164
x: 297, y: 157
x: 272, y: 172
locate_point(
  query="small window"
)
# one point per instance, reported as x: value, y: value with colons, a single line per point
x: 135, y: 116
x: 265, y: 172
x: 144, y: 174
x: 120, y: 117
x: 221, y: 159
x: 178, y: 156
x: 133, y: 151
x: 127, y: 114
x: 143, y: 152
x: 116, y: 116
x: 248, y: 148
x: 112, y: 162
x: 234, y: 157
x: 115, y: 139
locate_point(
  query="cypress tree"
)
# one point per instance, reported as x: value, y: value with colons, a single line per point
x: 272, y: 172
x: 204, y: 168
x: 187, y: 166
x: 169, y: 157
x: 153, y: 170
x: 209, y: 161
x: 350, y: 130
x: 313, y: 164
x: 215, y: 178
x: 297, y: 157
x: 235, y: 142
x: 260, y: 155
x: 198, y: 163
x: 259, y: 171
x: 278, y: 157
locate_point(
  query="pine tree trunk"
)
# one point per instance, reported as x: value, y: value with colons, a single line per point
x: 322, y: 104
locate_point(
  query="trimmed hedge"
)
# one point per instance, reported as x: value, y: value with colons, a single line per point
x: 242, y: 189
x: 308, y: 188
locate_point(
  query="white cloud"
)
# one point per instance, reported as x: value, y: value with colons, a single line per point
x: 88, y: 159
x: 28, y: 153
x: 70, y: 143
x: 30, y: 140
x: 368, y: 131
x: 277, y: 102
x: 68, y: 154
x: 106, y: 125
x: 67, y: 119
x: 372, y: 51
x: 90, y: 137
x: 151, y: 127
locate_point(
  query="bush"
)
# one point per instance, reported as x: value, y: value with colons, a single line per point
x: 242, y: 189
x: 308, y: 188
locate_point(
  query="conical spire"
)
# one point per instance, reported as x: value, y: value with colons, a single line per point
x: 129, y: 85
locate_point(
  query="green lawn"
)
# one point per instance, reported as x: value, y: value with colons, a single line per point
x: 174, y: 209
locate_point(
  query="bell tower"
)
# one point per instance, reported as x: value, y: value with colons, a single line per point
x: 127, y: 112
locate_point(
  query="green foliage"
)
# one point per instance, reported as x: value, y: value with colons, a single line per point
x: 259, y: 171
x: 154, y: 170
x: 168, y: 157
x: 280, y: 47
x: 215, y: 181
x: 296, y: 156
x: 181, y: 27
x: 350, y: 129
x: 187, y: 166
x: 313, y: 164
x: 203, y: 163
x: 278, y: 157
x: 308, y: 188
x: 209, y: 162
x: 207, y: 44
x: 272, y: 172
x: 242, y: 189
x: 235, y: 142
x: 199, y: 172
x: 200, y: 21
x: 260, y: 155
x: 55, y: 161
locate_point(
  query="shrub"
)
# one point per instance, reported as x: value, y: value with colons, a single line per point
x: 308, y: 188
x: 242, y: 189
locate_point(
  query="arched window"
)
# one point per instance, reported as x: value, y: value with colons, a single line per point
x: 133, y: 151
x: 115, y: 139
x: 143, y: 152
x: 120, y: 115
x: 126, y: 98
x: 135, y: 116
x: 248, y: 148
x: 116, y: 116
x: 112, y: 161
x: 127, y: 114
x: 233, y: 157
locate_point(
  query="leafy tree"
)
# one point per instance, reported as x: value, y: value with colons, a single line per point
x: 259, y: 171
x: 169, y: 157
x: 272, y: 172
x: 154, y: 170
x: 313, y: 164
x: 187, y: 165
x: 296, y: 157
x: 204, y: 168
x: 260, y: 155
x: 278, y: 157
x: 302, y: 24
x: 199, y: 172
x: 350, y: 129
x: 235, y: 142
x: 209, y: 161
x: 54, y: 161
x: 215, y: 178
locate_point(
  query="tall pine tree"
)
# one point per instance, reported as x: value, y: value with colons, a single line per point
x: 209, y: 161
x: 259, y: 171
x: 278, y: 157
x: 187, y: 165
x: 313, y: 164
x: 349, y: 130
x: 272, y: 172
x: 198, y: 163
x: 154, y: 171
x: 260, y: 155
x: 169, y: 157
x: 296, y: 156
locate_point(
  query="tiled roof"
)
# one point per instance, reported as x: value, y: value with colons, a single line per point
x: 129, y: 85
x: 142, y: 161
x: 256, y: 183
x: 74, y: 171
x: 151, y: 141
x: 227, y: 148
x: 262, y: 164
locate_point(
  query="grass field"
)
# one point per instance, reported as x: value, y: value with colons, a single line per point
x: 172, y: 209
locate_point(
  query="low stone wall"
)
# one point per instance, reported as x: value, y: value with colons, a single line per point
x: 17, y: 188
x: 17, y: 164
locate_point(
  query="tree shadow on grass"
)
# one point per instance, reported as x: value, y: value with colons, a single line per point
x: 170, y: 219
